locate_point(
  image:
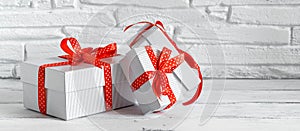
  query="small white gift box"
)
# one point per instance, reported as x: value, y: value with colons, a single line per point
x: 137, y: 61
x: 74, y: 91
x: 157, y: 39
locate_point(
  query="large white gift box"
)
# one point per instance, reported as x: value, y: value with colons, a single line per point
x: 74, y: 91
x: 137, y: 61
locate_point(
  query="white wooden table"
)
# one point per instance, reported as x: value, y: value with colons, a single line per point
x: 246, y: 105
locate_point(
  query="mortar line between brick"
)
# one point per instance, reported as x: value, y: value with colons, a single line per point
x: 191, y: 3
x: 48, y: 27
x: 134, y: 5
x: 25, y: 53
x: 53, y: 4
x: 30, y: 27
x: 291, y: 35
x: 260, y: 24
x: 260, y: 5
x: 63, y: 31
x: 250, y: 65
x: 116, y: 18
x: 229, y: 12
x: 243, y: 44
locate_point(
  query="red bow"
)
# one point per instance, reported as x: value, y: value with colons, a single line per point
x: 187, y: 57
x: 75, y: 56
x: 87, y: 55
x: 162, y: 65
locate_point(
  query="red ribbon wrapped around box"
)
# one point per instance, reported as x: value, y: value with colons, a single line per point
x: 75, y: 56
x: 163, y: 64
x: 187, y: 57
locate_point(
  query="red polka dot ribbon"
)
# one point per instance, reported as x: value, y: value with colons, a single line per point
x: 187, y: 57
x: 75, y: 56
x: 162, y: 65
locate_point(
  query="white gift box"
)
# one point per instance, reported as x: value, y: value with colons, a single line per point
x: 137, y: 61
x: 74, y: 91
x: 156, y: 39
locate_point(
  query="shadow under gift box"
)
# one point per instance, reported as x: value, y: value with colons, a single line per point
x: 137, y: 61
x: 74, y: 91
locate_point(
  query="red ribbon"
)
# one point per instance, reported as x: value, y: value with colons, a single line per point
x: 75, y: 56
x: 162, y: 65
x: 187, y: 57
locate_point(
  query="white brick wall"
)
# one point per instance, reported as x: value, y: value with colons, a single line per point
x: 260, y: 38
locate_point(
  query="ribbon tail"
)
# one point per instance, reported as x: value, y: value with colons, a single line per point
x: 42, y: 92
x: 156, y: 87
x: 42, y: 99
x: 166, y: 90
x: 107, y: 89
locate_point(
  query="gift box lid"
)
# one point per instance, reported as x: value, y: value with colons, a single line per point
x: 68, y: 78
x: 154, y: 37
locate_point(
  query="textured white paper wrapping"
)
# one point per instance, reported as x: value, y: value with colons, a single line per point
x: 74, y: 91
x: 135, y: 63
x: 63, y: 78
x: 157, y: 39
x: 74, y: 104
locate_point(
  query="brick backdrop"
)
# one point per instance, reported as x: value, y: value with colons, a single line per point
x: 260, y: 38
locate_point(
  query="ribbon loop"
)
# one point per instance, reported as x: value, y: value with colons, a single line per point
x: 74, y: 43
x: 107, y: 51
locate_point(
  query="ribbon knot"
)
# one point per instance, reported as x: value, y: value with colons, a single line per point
x: 77, y: 55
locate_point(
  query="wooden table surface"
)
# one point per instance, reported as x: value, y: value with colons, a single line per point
x: 246, y: 105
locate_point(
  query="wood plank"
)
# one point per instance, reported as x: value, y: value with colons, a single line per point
x: 11, y: 91
x: 241, y: 125
x: 251, y: 84
x: 37, y: 124
x: 240, y: 110
x: 249, y: 96
x: 258, y: 111
x: 189, y: 124
x: 10, y: 96
x: 246, y: 105
x: 192, y: 122
x: 11, y: 84
x: 18, y: 111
